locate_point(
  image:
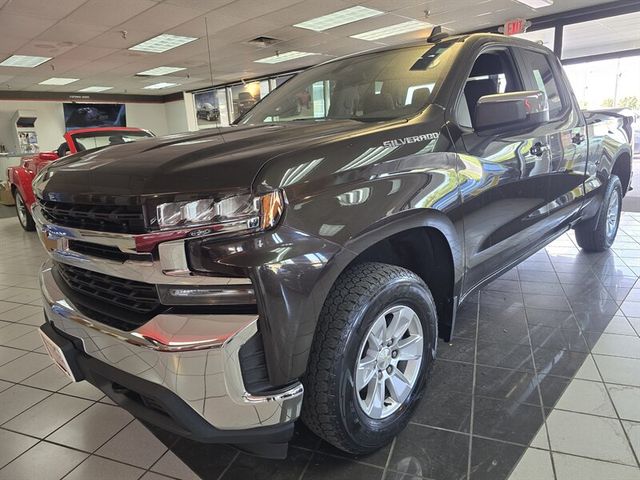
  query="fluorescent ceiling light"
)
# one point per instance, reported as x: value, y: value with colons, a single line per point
x: 58, y: 81
x: 391, y: 30
x: 156, y: 72
x: 284, y: 57
x: 162, y: 43
x: 536, y: 3
x: 341, y: 17
x: 157, y: 86
x: 95, y: 89
x: 26, y: 61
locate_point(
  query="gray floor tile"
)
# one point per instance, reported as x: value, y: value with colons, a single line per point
x: 619, y: 370
x: 17, y: 399
x: 617, y: 345
x: 13, y: 444
x: 633, y: 431
x: 48, y: 415
x: 9, y: 354
x: 51, y: 378
x: 588, y: 371
x: 82, y: 389
x: 626, y: 400
x: 97, y: 468
x: 92, y: 428
x: 169, y: 464
x: 534, y: 464
x: 586, y: 435
x: 126, y: 446
x: 153, y: 476
x: 45, y: 461
x: 24, y: 367
x: 586, y: 397
x: 571, y: 468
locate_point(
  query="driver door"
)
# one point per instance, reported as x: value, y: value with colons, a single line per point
x: 504, y: 176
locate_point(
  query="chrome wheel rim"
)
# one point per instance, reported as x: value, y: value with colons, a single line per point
x: 21, y: 209
x: 612, y: 214
x: 389, y: 361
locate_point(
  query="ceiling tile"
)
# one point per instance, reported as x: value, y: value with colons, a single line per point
x: 49, y: 9
x: 109, y: 13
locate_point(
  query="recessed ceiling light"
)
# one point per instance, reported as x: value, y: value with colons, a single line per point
x: 162, y: 43
x: 95, y: 89
x: 158, y: 86
x: 26, y: 61
x: 284, y: 57
x: 536, y: 3
x: 156, y: 72
x: 59, y: 81
x: 341, y: 17
x: 391, y: 30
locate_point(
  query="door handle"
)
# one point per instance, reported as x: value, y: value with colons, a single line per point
x: 538, y: 149
x: 577, y: 139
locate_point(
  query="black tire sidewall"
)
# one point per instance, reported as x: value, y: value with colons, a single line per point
x: 365, y: 431
x: 30, y: 225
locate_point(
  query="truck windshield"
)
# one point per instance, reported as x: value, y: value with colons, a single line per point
x: 370, y: 87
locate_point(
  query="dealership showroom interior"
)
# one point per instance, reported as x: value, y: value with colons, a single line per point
x: 299, y: 239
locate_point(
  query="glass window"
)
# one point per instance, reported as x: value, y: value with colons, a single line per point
x: 492, y: 73
x: 544, y: 37
x: 246, y: 96
x: 607, y: 83
x: 605, y: 35
x: 538, y: 68
x: 369, y: 87
x: 105, y: 138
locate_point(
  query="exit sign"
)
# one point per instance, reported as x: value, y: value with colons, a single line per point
x: 515, y: 26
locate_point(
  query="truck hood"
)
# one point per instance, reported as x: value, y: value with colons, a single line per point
x: 212, y: 161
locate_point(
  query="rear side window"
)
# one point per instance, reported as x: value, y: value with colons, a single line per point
x: 538, y: 68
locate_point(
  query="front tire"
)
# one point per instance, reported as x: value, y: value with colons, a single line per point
x: 602, y: 237
x: 373, y: 349
x: 24, y: 216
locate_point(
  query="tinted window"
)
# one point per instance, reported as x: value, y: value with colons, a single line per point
x: 492, y: 73
x: 541, y: 75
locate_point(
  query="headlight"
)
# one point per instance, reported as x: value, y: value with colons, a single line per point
x: 240, y: 212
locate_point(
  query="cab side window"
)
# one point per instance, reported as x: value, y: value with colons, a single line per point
x: 541, y: 77
x: 492, y: 72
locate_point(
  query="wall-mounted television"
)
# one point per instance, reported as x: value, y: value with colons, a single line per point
x: 87, y: 115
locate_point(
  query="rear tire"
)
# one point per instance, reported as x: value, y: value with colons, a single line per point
x: 24, y: 216
x: 601, y: 237
x: 376, y: 333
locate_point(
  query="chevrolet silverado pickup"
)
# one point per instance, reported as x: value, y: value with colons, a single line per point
x: 303, y: 262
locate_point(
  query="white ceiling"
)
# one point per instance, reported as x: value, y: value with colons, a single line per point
x: 86, y: 39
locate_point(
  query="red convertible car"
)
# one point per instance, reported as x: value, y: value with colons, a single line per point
x: 21, y: 176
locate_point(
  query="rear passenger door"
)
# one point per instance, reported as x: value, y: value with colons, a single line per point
x: 503, y: 178
x: 564, y: 136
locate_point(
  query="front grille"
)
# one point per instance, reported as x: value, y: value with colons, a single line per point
x: 132, y: 296
x: 98, y: 250
x: 102, y: 218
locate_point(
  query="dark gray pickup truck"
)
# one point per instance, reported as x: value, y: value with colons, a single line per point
x: 303, y: 262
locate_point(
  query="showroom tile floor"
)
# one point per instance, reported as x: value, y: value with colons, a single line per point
x: 541, y: 381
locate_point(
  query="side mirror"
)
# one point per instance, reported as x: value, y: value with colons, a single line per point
x: 511, y: 111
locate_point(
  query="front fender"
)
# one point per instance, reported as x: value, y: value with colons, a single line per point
x: 21, y: 179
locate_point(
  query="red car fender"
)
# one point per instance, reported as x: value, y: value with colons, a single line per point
x: 20, y: 179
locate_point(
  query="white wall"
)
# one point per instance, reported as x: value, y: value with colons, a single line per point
x: 160, y: 118
x: 176, y: 115
x: 49, y: 126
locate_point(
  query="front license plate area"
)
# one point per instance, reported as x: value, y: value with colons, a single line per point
x: 57, y: 355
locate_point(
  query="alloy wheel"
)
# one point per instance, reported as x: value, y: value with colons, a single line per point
x: 389, y: 362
